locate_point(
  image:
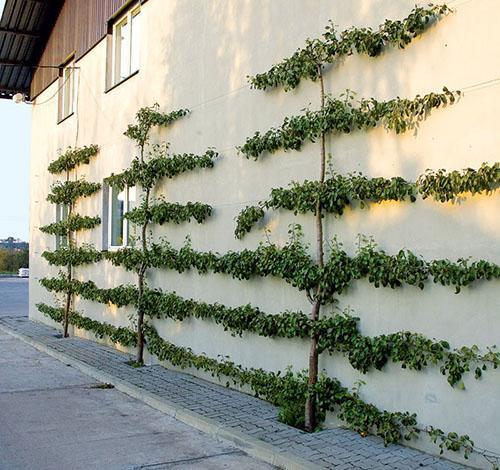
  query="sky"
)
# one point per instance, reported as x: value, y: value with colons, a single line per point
x: 15, y: 122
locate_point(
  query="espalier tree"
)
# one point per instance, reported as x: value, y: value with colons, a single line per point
x: 152, y: 165
x: 321, y: 278
x: 65, y: 194
x: 332, y: 195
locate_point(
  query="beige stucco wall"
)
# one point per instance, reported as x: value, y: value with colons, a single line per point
x: 197, y: 54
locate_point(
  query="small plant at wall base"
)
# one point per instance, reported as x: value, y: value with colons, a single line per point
x: 146, y: 171
x: 66, y: 193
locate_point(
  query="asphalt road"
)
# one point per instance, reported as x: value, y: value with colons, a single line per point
x: 52, y: 417
x: 13, y: 297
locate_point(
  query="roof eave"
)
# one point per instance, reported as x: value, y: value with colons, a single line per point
x: 25, y: 27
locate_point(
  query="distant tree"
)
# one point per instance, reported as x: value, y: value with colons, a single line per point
x: 22, y: 258
x: 12, y: 260
x: 3, y: 259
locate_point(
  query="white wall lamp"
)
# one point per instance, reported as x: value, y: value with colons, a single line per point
x: 19, y: 98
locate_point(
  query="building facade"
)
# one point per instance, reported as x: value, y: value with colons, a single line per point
x: 114, y: 57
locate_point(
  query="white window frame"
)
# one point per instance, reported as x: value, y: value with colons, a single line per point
x: 62, y: 212
x: 116, y: 78
x: 67, y: 84
x: 126, y: 223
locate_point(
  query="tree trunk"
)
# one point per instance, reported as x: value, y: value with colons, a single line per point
x: 142, y: 275
x: 310, y: 418
x: 310, y: 411
x: 67, y: 306
x: 140, y: 322
x: 69, y: 295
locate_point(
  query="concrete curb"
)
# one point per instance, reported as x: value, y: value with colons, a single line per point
x: 252, y: 446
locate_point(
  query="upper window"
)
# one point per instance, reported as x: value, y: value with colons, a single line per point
x: 120, y: 231
x: 67, y: 90
x: 126, y: 44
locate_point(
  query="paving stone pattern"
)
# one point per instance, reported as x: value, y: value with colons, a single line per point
x: 332, y: 448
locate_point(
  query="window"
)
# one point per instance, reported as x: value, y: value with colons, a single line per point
x: 67, y: 90
x: 61, y: 214
x: 120, y: 231
x: 126, y: 34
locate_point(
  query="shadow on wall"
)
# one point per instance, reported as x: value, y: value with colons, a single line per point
x: 225, y: 111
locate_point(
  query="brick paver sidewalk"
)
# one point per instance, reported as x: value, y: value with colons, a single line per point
x: 232, y: 410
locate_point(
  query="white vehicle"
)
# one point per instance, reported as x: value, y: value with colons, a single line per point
x: 23, y: 272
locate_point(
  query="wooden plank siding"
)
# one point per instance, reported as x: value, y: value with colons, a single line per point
x: 79, y: 27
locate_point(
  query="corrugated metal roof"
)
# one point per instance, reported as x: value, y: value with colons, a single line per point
x: 24, y: 29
